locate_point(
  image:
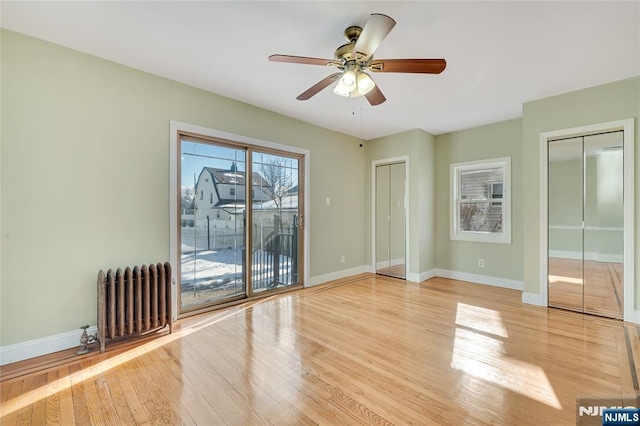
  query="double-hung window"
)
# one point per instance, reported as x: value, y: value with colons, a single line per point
x: 481, y: 201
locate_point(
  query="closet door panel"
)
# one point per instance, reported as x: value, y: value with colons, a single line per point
x: 604, y: 222
x: 383, y: 214
x: 565, y: 233
x: 397, y: 221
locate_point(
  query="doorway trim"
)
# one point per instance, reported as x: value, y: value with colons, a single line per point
x: 175, y: 127
x: 393, y: 160
x: 628, y: 126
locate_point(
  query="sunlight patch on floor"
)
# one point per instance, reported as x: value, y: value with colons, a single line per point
x: 565, y: 280
x: 478, y: 354
x: 481, y: 319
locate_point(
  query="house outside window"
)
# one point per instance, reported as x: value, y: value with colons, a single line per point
x: 481, y: 201
x: 201, y: 195
x: 232, y: 191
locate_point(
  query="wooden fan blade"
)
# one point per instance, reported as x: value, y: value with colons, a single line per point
x: 300, y: 60
x: 375, y: 96
x: 424, y: 66
x: 375, y: 30
x: 318, y: 86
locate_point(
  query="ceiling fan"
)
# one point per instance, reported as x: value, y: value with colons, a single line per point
x: 354, y: 58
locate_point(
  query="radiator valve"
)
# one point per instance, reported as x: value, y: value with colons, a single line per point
x: 85, y: 339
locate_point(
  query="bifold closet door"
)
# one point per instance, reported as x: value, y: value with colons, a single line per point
x: 586, y: 224
x: 391, y: 220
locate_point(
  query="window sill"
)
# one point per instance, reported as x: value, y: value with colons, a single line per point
x: 480, y: 237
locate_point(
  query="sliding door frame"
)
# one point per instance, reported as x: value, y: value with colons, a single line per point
x: 628, y: 127
x: 178, y: 129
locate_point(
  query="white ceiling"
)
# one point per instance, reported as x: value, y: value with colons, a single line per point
x: 499, y: 54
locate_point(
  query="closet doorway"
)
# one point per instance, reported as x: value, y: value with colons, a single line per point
x: 390, y: 219
x: 586, y: 219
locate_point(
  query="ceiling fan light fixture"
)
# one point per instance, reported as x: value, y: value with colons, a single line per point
x: 349, y: 80
x: 341, y: 89
x: 365, y: 83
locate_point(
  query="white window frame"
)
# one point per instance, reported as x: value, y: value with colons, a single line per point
x: 455, y: 169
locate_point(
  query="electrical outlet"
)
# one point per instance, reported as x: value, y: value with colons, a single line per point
x: 342, y: 259
x: 481, y: 263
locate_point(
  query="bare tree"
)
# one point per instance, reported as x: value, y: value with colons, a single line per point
x: 276, y: 182
x: 477, y: 217
x: 497, y: 227
x: 188, y: 197
x: 473, y: 217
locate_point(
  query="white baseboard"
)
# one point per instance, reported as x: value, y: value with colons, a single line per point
x: 635, y: 317
x: 533, y: 299
x: 590, y: 255
x: 420, y: 277
x: 566, y: 254
x: 43, y: 346
x: 611, y: 258
x: 427, y: 275
x: 480, y: 279
x: 413, y: 277
x: 321, y: 279
x: 392, y: 262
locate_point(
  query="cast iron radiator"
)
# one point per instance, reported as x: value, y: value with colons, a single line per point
x: 133, y: 302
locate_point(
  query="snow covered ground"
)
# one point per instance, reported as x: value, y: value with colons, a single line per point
x: 194, y: 239
x: 215, y: 274
x: 210, y: 267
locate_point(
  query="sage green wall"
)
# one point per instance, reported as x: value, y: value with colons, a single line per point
x: 85, y: 179
x: 1, y: 231
x: 426, y: 201
x: 419, y: 146
x: 495, y: 140
x: 615, y: 101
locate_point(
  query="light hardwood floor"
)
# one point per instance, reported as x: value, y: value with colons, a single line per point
x: 366, y: 350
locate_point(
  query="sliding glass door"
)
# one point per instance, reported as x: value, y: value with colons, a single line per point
x: 240, y: 222
x: 276, y: 222
x: 212, y: 230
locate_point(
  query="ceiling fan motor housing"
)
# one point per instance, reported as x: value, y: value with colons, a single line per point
x: 343, y: 53
x: 352, y: 33
x: 346, y: 52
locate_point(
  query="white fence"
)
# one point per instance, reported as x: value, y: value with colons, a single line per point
x: 213, y: 259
